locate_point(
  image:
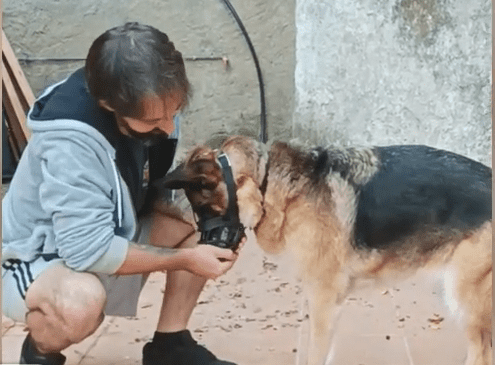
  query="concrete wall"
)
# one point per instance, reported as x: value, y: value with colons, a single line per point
x: 378, y: 72
x: 225, y: 101
x: 367, y: 72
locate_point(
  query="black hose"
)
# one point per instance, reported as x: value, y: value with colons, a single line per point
x: 263, y: 133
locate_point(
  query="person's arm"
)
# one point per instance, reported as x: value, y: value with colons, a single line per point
x: 203, y: 260
x: 75, y: 192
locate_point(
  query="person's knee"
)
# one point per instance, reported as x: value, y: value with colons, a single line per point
x: 70, y: 309
x: 81, y: 304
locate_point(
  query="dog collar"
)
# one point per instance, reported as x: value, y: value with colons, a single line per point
x: 225, y: 231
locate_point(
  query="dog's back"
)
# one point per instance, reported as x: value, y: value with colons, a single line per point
x: 443, y: 195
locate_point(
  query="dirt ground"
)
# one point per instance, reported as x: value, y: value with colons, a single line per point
x: 257, y: 314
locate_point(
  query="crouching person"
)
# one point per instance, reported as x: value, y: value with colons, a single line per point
x: 73, y: 247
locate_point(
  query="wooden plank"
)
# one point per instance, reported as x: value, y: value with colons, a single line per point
x: 17, y: 98
x: 16, y: 144
x: 15, y: 112
x: 10, y: 61
x: 1, y: 89
x: 13, y: 144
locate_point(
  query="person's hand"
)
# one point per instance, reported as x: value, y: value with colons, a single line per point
x: 209, y: 261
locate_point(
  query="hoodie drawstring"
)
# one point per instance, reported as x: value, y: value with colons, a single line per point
x: 119, y: 191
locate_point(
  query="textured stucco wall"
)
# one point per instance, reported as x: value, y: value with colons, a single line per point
x: 224, y: 101
x: 367, y: 72
x: 378, y: 72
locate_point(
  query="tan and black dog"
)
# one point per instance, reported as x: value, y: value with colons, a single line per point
x: 350, y: 214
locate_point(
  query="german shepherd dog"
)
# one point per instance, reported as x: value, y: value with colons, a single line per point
x: 349, y: 214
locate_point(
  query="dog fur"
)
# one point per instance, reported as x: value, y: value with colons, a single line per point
x: 349, y: 214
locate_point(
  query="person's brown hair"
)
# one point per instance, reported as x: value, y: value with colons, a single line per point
x: 129, y: 62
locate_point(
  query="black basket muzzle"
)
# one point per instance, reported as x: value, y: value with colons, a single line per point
x: 224, y: 231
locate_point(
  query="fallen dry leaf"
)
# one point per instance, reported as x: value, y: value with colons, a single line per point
x: 304, y: 318
x: 435, y: 321
x: 268, y: 266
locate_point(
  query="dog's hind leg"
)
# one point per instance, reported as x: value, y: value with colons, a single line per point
x: 324, y: 309
x: 478, y: 330
x: 480, y: 349
x: 472, y: 266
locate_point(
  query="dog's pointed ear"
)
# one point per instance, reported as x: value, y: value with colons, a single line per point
x: 199, y: 171
x: 202, y: 155
x: 177, y: 179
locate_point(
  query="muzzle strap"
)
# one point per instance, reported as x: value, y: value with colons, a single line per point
x: 224, y: 231
x: 232, y: 209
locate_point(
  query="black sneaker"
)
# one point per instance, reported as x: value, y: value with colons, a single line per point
x: 30, y: 355
x: 186, y: 352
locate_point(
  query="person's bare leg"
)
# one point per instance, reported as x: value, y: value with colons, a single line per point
x: 172, y: 343
x: 182, y: 291
x: 182, y: 288
x: 64, y: 307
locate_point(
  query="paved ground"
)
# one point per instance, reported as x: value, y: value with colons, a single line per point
x: 256, y: 315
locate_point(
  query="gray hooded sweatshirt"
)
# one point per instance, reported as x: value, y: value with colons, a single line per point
x: 78, y: 184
